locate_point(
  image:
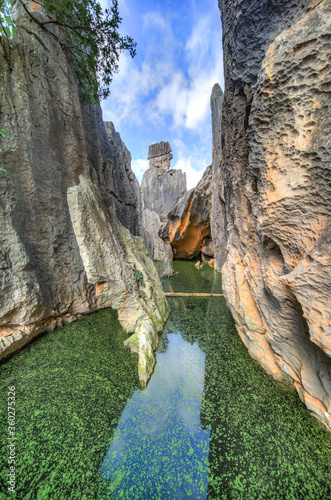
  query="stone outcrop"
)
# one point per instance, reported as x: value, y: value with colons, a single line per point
x: 55, y: 139
x: 188, y: 223
x: 275, y: 170
x: 152, y: 223
x: 160, y: 190
x: 112, y: 256
x: 217, y: 219
x: 159, y: 155
x: 167, y: 270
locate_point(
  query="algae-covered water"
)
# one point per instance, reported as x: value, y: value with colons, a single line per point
x: 211, y: 424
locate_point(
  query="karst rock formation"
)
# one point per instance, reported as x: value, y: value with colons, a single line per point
x: 187, y: 228
x: 161, y: 188
x: 61, y: 152
x: 275, y: 188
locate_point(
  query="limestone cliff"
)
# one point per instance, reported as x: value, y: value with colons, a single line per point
x: 112, y: 257
x: 275, y: 178
x: 55, y: 140
x: 159, y: 155
x: 152, y: 223
x: 188, y: 225
x: 217, y: 219
x: 161, y: 189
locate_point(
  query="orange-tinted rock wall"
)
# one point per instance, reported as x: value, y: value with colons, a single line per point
x: 188, y: 223
x: 275, y: 169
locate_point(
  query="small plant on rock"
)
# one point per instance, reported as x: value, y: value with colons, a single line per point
x: 139, y: 277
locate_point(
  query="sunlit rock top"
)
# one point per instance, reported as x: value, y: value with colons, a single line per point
x: 159, y: 155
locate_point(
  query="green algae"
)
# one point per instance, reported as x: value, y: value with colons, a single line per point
x: 264, y: 443
x: 74, y: 385
x: 191, y: 279
x: 71, y: 388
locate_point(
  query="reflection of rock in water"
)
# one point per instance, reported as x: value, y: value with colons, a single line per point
x: 168, y: 270
x: 163, y: 342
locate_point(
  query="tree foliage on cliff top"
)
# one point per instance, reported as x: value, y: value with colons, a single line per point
x: 94, y: 44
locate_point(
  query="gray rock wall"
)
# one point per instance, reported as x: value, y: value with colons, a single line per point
x: 151, y: 220
x: 112, y: 256
x: 217, y: 216
x: 276, y: 178
x: 110, y: 160
x: 55, y: 140
x: 161, y: 189
x: 159, y: 155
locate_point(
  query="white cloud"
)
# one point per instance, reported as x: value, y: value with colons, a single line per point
x: 162, y: 85
x: 164, y: 93
x: 193, y: 176
x: 139, y: 167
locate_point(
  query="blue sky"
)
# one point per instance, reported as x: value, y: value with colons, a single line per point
x: 163, y: 94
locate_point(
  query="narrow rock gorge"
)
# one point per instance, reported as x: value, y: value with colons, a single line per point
x: 60, y: 146
x: 76, y: 226
x: 274, y: 183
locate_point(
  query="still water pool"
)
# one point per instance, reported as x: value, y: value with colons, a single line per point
x: 211, y: 423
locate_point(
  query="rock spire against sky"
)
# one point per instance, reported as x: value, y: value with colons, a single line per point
x: 163, y: 94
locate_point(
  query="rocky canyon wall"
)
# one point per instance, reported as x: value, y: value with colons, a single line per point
x: 187, y: 228
x: 56, y: 141
x: 217, y: 219
x: 275, y: 178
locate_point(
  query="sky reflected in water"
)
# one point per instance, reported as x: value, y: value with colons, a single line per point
x: 159, y: 449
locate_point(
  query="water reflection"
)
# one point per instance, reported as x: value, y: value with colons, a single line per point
x: 263, y: 444
x: 159, y: 449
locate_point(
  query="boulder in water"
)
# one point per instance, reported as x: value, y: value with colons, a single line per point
x: 168, y: 270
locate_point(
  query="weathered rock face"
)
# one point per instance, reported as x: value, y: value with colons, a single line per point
x: 54, y: 141
x: 152, y: 222
x: 188, y: 222
x: 112, y: 256
x: 159, y: 155
x: 111, y: 160
x: 275, y: 169
x: 160, y: 190
x: 217, y: 219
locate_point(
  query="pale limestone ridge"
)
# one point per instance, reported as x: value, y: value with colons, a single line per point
x: 161, y: 189
x: 55, y: 140
x: 275, y: 165
x: 159, y: 155
x: 111, y: 255
x: 217, y: 216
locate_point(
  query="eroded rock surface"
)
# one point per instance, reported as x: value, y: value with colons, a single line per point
x: 54, y: 140
x: 188, y: 222
x: 111, y: 256
x: 159, y: 155
x: 217, y: 219
x: 275, y: 169
x: 152, y: 223
x: 161, y: 189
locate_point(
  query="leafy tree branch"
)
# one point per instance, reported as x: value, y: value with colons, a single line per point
x: 94, y: 43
